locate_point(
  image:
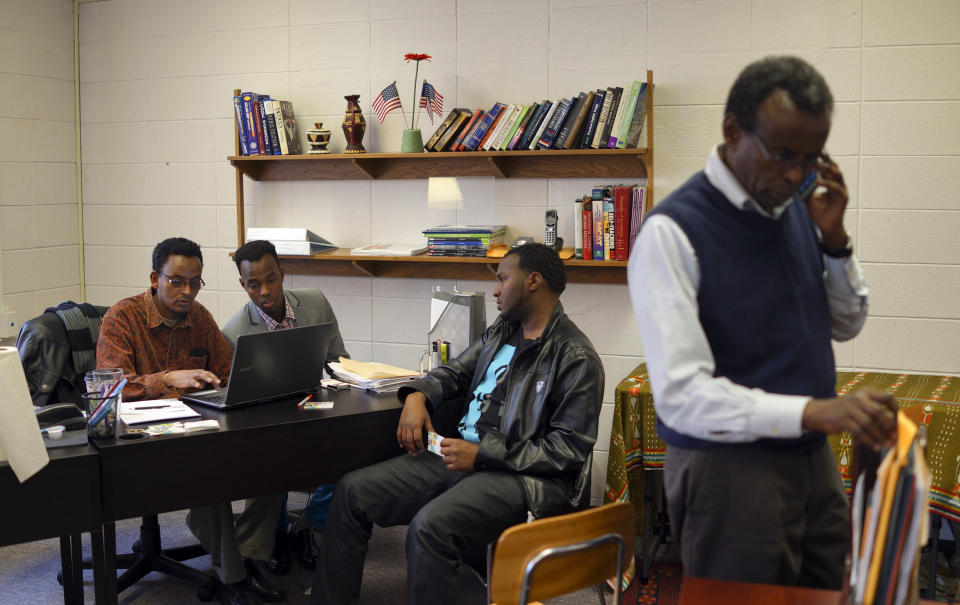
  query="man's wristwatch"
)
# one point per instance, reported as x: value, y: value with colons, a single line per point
x: 844, y: 252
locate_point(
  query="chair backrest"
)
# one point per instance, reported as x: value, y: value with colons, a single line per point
x: 562, y: 554
x: 54, y: 357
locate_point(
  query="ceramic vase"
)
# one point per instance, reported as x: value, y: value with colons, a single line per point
x: 354, y: 125
x: 412, y: 141
x: 319, y: 138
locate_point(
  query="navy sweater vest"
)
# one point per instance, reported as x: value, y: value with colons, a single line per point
x: 762, y: 299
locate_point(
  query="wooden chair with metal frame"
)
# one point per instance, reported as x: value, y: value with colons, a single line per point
x: 558, y: 555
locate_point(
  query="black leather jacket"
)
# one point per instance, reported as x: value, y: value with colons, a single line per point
x: 550, y: 408
x: 47, y: 360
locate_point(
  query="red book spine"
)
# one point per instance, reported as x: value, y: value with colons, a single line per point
x: 467, y: 130
x: 259, y: 128
x: 621, y: 213
x: 587, y: 231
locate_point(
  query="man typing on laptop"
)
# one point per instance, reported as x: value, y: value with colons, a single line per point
x: 272, y: 308
x: 168, y: 344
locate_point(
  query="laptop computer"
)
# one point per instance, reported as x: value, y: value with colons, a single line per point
x: 271, y: 365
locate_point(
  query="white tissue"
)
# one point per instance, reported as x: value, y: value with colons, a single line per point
x: 21, y: 442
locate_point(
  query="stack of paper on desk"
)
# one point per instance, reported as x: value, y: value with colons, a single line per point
x: 378, y: 377
x: 154, y: 410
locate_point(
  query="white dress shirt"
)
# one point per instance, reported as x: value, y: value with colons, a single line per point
x: 664, y: 277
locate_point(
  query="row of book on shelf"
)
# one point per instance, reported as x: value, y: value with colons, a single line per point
x: 265, y: 126
x: 605, y: 225
x: 607, y: 221
x: 610, y: 118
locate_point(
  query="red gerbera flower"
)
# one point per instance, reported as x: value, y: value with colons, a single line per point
x: 416, y: 57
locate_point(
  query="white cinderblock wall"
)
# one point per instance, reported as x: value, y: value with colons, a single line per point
x: 38, y: 180
x: 157, y: 81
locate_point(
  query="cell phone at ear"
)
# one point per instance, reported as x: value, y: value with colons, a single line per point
x: 808, y: 186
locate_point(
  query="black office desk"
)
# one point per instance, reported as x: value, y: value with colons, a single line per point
x: 62, y: 499
x: 259, y: 450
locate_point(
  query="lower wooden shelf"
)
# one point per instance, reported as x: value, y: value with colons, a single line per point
x: 341, y: 262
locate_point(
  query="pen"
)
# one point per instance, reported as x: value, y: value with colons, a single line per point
x: 152, y: 407
x: 305, y: 399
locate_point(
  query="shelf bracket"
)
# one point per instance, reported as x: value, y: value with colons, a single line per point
x: 364, y: 167
x: 363, y: 268
x: 499, y: 167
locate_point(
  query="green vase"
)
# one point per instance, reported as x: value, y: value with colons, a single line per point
x: 412, y: 141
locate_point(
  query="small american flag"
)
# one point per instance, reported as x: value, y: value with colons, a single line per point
x: 386, y: 101
x: 432, y: 100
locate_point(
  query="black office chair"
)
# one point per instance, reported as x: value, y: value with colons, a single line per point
x: 57, y: 349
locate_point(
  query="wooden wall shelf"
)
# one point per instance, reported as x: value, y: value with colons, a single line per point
x: 341, y: 262
x: 600, y: 164
x: 558, y: 164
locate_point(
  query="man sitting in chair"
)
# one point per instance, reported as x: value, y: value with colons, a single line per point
x: 167, y: 344
x: 532, y: 387
x: 273, y: 308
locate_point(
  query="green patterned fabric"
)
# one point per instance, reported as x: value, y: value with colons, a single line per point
x: 635, y: 446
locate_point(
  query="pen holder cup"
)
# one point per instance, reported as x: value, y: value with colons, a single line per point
x: 101, y: 414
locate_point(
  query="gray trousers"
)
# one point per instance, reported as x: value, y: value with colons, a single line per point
x: 452, y: 517
x: 228, y: 543
x: 758, y: 515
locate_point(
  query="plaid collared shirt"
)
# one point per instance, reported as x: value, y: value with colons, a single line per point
x: 289, y: 319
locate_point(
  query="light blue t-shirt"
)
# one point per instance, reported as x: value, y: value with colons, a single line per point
x: 498, y: 365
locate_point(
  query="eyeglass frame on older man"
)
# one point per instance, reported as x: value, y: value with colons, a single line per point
x: 180, y: 283
x: 785, y: 163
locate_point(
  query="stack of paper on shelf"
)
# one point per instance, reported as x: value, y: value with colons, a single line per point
x: 291, y: 240
x: 389, y: 250
x: 377, y: 377
x: 463, y: 240
x: 890, y: 523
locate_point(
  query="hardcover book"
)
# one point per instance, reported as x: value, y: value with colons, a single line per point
x: 521, y: 115
x: 587, y: 222
x: 542, y: 121
x: 611, y: 118
x: 618, y: 120
x: 627, y: 117
x: 622, y: 200
x: 241, y: 135
x: 272, y: 127
x: 499, y: 131
x: 467, y: 130
x: 602, y: 122
x: 258, y: 123
x: 290, y: 127
x: 596, y: 204
x: 264, y: 126
x: 590, y: 126
x: 608, y: 224
x: 578, y: 228
x: 281, y: 130
x: 568, y: 122
x: 556, y: 122
x: 477, y: 137
x: 442, y: 128
x: 249, y: 125
x: 451, y: 132
x: 636, y: 126
x: 533, y: 125
x: 492, y: 129
x: 512, y: 144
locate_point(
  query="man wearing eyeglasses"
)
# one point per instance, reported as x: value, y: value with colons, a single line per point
x: 167, y: 344
x: 739, y: 279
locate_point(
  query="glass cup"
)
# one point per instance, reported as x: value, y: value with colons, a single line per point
x: 102, y: 414
x: 104, y: 379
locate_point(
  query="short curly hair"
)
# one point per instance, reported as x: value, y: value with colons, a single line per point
x: 174, y: 246
x: 253, y: 251
x: 544, y: 260
x: 801, y: 81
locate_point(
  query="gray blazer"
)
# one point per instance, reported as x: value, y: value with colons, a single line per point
x: 309, y: 306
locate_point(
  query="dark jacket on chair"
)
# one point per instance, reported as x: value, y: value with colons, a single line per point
x: 550, y: 408
x: 47, y: 354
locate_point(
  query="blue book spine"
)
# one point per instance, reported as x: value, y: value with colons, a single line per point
x: 272, y: 125
x: 249, y: 127
x: 533, y: 125
x: 477, y: 137
x: 556, y: 122
x: 241, y: 134
x: 267, y: 145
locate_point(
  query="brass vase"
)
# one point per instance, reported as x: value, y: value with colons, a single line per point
x: 354, y: 125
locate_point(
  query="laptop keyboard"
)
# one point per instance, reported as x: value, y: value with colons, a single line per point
x: 214, y: 398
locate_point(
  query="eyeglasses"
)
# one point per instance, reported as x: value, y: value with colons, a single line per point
x: 785, y: 160
x: 179, y: 284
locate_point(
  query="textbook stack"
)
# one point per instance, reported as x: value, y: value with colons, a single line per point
x: 607, y: 118
x: 265, y: 126
x: 463, y: 240
x: 291, y: 240
x: 607, y: 221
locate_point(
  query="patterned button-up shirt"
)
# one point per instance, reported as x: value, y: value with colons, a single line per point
x: 134, y: 337
x: 289, y: 319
